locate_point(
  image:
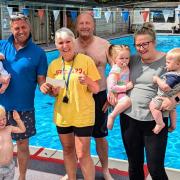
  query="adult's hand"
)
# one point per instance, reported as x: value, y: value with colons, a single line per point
x: 111, y: 98
x: 46, y: 88
x: 105, y: 106
x: 83, y: 79
x: 129, y: 85
x: 167, y: 104
x: 92, y: 85
x: 54, y: 91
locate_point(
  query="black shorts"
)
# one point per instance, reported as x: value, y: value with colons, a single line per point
x: 28, y: 117
x: 100, y: 127
x: 78, y: 131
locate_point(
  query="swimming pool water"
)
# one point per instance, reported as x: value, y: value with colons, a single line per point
x: 46, y: 131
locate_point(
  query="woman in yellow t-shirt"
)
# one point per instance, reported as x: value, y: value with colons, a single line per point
x: 74, y: 110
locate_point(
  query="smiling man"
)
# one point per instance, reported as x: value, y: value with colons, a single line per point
x: 96, y: 47
x: 27, y: 65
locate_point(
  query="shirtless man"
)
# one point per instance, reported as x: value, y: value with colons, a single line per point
x: 7, y: 166
x: 96, y: 47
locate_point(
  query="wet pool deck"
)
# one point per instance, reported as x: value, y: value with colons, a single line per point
x: 48, y: 164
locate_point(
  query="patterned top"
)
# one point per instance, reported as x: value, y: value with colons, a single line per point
x: 117, y: 80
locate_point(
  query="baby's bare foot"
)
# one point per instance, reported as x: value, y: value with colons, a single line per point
x: 158, y: 128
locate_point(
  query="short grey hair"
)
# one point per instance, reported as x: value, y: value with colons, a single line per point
x: 64, y: 32
x: 18, y: 16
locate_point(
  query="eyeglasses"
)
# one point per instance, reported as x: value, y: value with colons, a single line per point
x: 18, y: 16
x: 144, y: 45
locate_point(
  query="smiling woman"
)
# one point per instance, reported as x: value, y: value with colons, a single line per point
x: 74, y: 105
x: 64, y: 41
x: 137, y: 123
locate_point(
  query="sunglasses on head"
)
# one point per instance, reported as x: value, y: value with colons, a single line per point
x: 18, y: 16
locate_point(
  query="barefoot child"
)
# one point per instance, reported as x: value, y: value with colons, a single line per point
x: 4, y: 76
x: 118, y: 80
x: 7, y: 166
x: 169, y: 85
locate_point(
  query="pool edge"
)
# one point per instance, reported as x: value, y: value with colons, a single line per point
x: 116, y: 166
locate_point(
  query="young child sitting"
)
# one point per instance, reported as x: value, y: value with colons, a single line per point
x: 7, y: 166
x: 4, y: 76
x: 169, y: 85
x: 118, y: 80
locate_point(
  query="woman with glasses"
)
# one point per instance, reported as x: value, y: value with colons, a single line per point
x: 74, y: 111
x: 137, y: 123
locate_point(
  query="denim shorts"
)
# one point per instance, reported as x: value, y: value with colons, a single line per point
x: 7, y: 172
x: 28, y: 117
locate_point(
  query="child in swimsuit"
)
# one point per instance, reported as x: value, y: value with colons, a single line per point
x: 118, y: 80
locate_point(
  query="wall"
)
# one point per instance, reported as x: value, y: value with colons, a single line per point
x: 114, y: 26
x: 137, y: 19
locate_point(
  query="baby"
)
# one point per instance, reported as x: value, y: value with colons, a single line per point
x: 7, y: 166
x: 118, y: 80
x: 4, y: 76
x: 169, y: 85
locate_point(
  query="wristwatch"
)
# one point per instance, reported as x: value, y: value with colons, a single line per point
x: 177, y: 99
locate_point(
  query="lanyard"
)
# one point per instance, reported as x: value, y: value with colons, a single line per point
x: 69, y: 74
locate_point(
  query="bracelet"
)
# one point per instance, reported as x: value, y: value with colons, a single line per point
x: 177, y: 99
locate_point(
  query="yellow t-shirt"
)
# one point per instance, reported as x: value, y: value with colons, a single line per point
x: 80, y: 109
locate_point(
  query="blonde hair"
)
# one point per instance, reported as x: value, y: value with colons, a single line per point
x: 176, y: 54
x: 62, y: 32
x: 114, y: 50
x: 146, y: 29
x: 2, y: 110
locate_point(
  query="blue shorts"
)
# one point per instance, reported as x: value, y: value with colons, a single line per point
x: 28, y: 117
x: 7, y: 172
x: 100, y: 126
